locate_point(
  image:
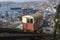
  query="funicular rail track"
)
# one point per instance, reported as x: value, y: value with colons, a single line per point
x: 6, y: 33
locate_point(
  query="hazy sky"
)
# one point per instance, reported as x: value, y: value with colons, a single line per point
x: 21, y: 0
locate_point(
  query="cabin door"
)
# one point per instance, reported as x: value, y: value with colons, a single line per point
x: 30, y: 24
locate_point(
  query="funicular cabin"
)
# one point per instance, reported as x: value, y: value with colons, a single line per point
x: 32, y: 22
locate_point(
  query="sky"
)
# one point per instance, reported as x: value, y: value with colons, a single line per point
x: 21, y: 0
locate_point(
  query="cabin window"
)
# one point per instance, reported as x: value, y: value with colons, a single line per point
x: 29, y: 20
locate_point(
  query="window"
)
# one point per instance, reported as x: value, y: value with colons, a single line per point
x: 29, y: 20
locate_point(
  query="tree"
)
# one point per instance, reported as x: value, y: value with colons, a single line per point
x: 58, y: 11
x: 57, y: 16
